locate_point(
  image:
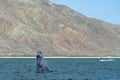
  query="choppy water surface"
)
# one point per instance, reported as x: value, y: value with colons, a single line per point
x: 63, y: 69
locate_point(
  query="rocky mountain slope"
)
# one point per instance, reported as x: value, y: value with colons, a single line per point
x: 27, y: 26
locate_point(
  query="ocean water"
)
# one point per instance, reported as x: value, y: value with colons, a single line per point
x: 63, y: 69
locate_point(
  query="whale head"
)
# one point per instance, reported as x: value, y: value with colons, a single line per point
x: 39, y: 55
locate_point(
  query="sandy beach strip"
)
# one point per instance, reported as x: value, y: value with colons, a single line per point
x: 61, y: 57
x: 17, y: 57
x: 82, y: 57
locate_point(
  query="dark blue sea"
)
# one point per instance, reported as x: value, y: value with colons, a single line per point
x: 63, y: 69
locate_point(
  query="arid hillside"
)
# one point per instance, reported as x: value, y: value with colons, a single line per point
x: 27, y: 26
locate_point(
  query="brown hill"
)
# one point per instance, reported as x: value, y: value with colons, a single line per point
x: 27, y: 26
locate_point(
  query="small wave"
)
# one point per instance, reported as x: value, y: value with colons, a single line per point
x: 106, y: 59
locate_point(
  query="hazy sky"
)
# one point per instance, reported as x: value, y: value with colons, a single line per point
x: 106, y: 10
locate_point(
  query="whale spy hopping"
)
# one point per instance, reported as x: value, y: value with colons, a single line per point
x: 42, y: 66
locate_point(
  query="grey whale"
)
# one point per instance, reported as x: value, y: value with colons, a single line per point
x: 42, y: 66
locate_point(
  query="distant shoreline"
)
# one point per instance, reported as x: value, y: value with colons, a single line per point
x: 61, y: 57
